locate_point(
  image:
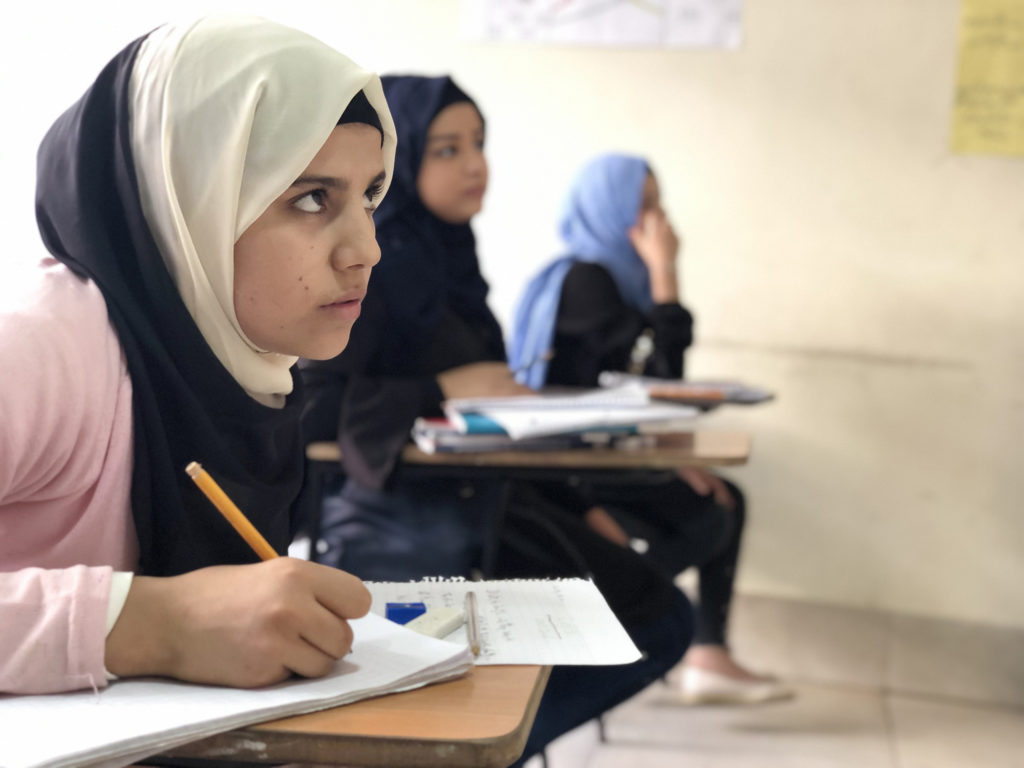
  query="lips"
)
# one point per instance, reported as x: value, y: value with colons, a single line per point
x: 354, y: 295
x: 347, y: 306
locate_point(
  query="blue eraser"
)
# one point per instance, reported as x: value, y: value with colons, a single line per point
x: 403, y: 613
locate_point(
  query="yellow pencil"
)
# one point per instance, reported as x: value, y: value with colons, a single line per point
x: 231, y: 512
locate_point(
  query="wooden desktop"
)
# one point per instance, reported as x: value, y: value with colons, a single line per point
x: 481, y: 720
x: 703, y: 448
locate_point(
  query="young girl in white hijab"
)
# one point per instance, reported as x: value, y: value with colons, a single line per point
x: 207, y: 207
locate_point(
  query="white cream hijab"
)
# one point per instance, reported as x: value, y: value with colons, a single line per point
x: 226, y: 113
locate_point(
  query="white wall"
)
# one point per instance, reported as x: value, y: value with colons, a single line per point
x: 835, y: 252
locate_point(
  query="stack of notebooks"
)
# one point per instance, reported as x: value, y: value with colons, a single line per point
x: 549, y: 421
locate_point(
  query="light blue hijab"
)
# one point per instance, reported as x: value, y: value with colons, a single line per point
x: 602, y: 205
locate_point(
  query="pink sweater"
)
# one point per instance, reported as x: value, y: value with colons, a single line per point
x: 65, y: 478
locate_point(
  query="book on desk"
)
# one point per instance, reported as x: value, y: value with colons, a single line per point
x: 548, y: 421
x: 702, y: 393
x: 439, y: 435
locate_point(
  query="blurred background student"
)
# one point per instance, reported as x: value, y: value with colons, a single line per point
x: 426, y: 334
x: 612, y: 304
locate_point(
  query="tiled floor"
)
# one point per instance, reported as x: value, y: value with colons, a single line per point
x: 823, y: 727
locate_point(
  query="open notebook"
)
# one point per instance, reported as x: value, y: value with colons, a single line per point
x: 525, y: 621
x: 134, y: 718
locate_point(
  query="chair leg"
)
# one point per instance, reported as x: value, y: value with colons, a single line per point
x: 309, y: 504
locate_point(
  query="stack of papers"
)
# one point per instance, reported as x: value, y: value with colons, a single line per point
x: 134, y: 718
x: 702, y: 393
x: 623, y: 410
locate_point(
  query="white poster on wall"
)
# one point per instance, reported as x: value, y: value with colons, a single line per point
x: 632, y: 23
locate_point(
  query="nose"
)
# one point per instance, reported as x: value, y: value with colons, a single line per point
x: 476, y: 163
x: 355, y: 243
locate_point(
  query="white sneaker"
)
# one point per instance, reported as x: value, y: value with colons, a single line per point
x: 701, y: 686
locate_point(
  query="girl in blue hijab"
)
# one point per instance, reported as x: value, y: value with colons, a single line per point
x: 622, y: 251
x: 612, y: 304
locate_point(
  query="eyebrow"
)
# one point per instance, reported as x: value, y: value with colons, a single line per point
x: 332, y: 182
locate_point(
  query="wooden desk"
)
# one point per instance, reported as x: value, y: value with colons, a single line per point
x: 482, y: 720
x: 707, y: 448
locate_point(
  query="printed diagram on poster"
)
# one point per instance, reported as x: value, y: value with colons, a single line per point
x: 627, y: 23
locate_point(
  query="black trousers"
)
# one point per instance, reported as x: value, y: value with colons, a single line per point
x: 682, y: 530
x: 541, y: 538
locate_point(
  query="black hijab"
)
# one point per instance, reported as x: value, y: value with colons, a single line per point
x: 186, y: 404
x: 427, y: 265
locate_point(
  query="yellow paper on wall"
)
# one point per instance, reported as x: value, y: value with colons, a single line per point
x: 988, y: 111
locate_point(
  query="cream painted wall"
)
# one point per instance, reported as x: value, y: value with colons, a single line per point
x: 835, y: 252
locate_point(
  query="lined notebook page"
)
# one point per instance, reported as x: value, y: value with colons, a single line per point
x: 525, y: 621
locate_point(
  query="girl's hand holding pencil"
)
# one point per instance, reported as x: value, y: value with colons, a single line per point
x: 240, y: 625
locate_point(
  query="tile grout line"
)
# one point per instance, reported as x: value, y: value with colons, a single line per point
x: 889, y: 722
x: 885, y: 691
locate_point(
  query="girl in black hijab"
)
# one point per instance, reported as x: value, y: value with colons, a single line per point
x: 427, y: 334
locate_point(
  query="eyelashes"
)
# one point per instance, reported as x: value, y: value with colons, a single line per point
x: 373, y: 194
x: 316, y: 200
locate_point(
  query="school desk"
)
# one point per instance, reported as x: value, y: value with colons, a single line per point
x: 480, y: 720
x: 647, y: 462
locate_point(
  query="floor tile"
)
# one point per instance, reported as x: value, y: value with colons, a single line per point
x: 822, y: 726
x: 618, y: 757
x: 929, y: 733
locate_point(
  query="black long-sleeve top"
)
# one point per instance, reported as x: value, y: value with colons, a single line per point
x: 597, y: 331
x: 369, y: 407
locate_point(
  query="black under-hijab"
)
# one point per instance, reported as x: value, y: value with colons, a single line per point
x: 359, y: 110
x: 186, y: 405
